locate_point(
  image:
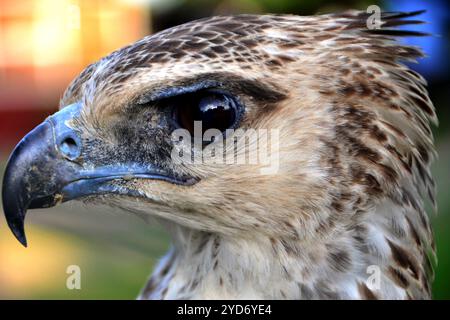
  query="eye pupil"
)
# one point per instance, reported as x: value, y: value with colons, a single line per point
x: 215, y: 111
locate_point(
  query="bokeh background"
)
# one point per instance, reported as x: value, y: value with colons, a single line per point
x: 45, y: 43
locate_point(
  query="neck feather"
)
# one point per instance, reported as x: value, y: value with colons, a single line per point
x: 368, y: 258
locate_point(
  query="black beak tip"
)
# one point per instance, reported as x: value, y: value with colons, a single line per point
x: 14, y: 210
x: 17, y: 228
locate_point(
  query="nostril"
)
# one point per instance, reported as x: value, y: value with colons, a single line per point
x: 69, y: 148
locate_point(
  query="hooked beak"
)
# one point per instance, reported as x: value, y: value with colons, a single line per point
x: 46, y: 168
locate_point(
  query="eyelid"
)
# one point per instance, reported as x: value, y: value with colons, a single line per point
x: 263, y: 91
x: 175, y: 91
x: 212, y: 87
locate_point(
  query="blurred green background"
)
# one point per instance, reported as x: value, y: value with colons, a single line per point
x: 45, y: 43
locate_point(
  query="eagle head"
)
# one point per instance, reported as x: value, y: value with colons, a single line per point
x: 305, y: 138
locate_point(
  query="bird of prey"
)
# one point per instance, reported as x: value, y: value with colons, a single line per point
x: 342, y: 217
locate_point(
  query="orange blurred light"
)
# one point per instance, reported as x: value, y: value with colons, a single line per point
x: 45, y: 43
x: 56, y: 33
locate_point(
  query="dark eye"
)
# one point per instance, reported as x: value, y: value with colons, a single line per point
x: 214, y: 110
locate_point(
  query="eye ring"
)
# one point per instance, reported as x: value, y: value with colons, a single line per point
x: 215, y: 109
